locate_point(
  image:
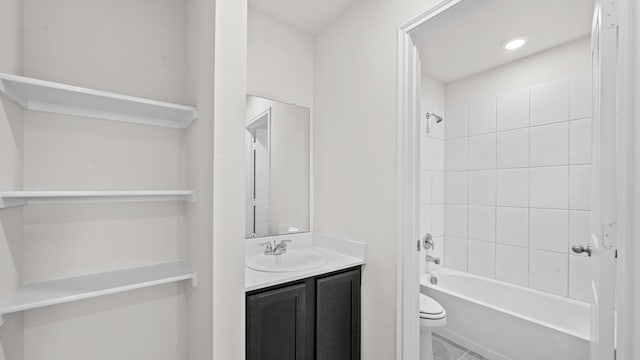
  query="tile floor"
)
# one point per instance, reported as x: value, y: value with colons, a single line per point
x: 444, y: 349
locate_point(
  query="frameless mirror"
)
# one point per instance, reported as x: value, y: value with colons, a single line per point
x: 277, y: 159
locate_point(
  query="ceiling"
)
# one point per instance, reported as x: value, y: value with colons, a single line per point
x: 309, y: 16
x: 469, y: 39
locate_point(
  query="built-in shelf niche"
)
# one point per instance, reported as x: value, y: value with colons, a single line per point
x: 41, y: 294
x: 51, y: 97
x: 21, y: 198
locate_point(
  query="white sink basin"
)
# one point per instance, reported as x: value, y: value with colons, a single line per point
x: 292, y: 260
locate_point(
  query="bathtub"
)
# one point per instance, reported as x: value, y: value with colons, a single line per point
x: 502, y: 321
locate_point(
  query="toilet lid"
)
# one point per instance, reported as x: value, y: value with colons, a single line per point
x: 430, y: 308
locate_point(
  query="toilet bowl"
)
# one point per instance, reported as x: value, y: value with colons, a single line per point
x: 432, y: 316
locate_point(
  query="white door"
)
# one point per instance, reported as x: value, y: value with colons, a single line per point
x: 603, y: 217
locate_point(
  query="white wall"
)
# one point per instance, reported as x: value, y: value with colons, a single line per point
x: 201, y: 48
x: 11, y: 139
x: 279, y: 61
x: 432, y: 170
x: 131, y: 47
x: 355, y: 150
x: 518, y: 170
x: 229, y: 179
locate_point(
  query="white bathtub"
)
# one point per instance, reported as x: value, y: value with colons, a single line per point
x: 502, y: 321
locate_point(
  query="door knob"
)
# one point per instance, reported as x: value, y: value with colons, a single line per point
x: 579, y: 249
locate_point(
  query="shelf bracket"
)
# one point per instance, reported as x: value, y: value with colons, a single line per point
x: 194, y: 281
x: 1, y: 320
x: 9, y: 202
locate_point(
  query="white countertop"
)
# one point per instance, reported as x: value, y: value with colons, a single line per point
x: 335, y: 261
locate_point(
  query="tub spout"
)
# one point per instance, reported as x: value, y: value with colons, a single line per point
x: 433, y: 259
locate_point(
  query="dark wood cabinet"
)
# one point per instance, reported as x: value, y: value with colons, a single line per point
x: 338, y: 317
x: 317, y: 318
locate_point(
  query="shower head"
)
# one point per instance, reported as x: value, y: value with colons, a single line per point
x: 437, y: 117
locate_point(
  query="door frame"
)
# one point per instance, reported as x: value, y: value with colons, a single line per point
x: 407, y: 225
x: 407, y: 222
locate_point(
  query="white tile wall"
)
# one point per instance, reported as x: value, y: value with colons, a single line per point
x: 457, y: 186
x: 482, y: 223
x: 512, y: 226
x: 549, y: 272
x: 482, y: 258
x: 482, y: 152
x: 512, y: 264
x: 482, y: 116
x: 513, y: 149
x: 457, y: 157
x: 549, y: 229
x: 455, y: 253
x: 514, y: 194
x: 550, y: 144
x: 580, y: 141
x: 455, y: 220
x: 457, y: 122
x: 550, y: 102
x: 482, y: 187
x: 513, y: 110
x: 513, y: 187
x: 549, y: 187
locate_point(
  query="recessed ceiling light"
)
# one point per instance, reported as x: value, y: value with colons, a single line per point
x: 514, y: 43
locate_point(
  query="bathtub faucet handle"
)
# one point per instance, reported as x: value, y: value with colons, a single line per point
x: 427, y: 242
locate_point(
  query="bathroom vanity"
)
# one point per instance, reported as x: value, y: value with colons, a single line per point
x: 312, y: 318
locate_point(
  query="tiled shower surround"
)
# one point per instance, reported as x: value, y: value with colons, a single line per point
x: 511, y: 194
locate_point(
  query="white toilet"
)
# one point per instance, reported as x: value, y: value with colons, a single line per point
x: 432, y: 316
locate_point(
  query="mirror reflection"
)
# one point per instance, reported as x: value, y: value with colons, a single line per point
x: 277, y: 159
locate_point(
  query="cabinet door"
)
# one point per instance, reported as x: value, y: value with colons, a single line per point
x: 338, y: 317
x: 276, y: 324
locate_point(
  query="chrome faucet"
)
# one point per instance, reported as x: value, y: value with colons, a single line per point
x: 275, y: 249
x: 433, y: 259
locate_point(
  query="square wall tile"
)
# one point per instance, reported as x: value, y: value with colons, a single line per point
x: 549, y: 229
x: 425, y: 219
x: 456, y: 154
x: 549, y: 271
x: 550, y: 187
x: 513, y: 110
x: 426, y: 179
x: 437, y: 251
x: 512, y: 264
x: 482, y: 258
x: 425, y: 153
x: 482, y: 187
x: 580, y: 279
x: 580, y: 187
x: 512, y: 226
x: 437, y: 129
x: 482, y: 223
x: 580, y: 100
x: 455, y: 253
x: 437, y: 188
x: 455, y: 187
x: 482, y: 116
x: 513, y: 187
x: 550, y: 145
x: 455, y: 220
x: 482, y: 152
x: 456, y: 122
x: 550, y: 102
x: 513, y: 149
x: 437, y: 220
x: 580, y: 141
x: 579, y: 229
x: 437, y: 155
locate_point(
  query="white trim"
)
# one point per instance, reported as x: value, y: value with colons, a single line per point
x: 407, y: 308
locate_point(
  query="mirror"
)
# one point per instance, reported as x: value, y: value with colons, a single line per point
x: 277, y: 159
